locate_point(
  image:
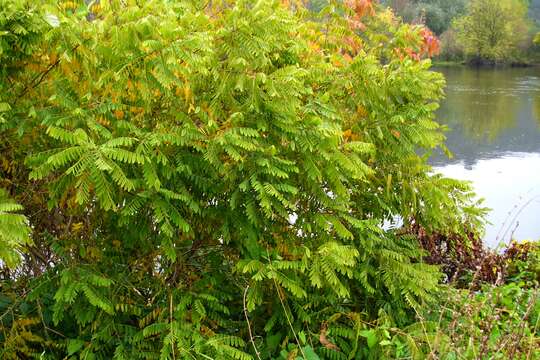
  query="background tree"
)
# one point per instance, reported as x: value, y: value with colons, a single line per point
x: 439, y: 14
x: 492, y: 31
x: 436, y: 14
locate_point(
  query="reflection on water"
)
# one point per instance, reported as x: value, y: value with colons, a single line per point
x: 515, y: 199
x: 494, y: 117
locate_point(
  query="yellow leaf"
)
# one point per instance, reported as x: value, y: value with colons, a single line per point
x: 187, y: 93
x: 77, y: 227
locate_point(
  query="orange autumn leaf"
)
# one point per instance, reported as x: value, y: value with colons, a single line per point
x: 119, y: 114
x: 102, y: 121
x: 353, y: 43
x: 361, y: 111
x: 324, y: 340
x: 361, y: 8
x: 314, y: 46
x: 430, y: 43
x: 337, y: 62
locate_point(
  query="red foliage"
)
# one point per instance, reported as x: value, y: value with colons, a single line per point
x: 430, y: 43
x: 459, y: 256
x: 360, y: 8
x: 429, y: 46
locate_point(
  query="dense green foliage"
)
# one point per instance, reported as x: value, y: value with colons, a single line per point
x: 14, y: 231
x: 210, y: 180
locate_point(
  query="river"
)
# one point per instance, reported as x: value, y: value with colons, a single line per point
x: 494, y: 117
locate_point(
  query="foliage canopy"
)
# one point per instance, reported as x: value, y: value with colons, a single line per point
x: 493, y: 30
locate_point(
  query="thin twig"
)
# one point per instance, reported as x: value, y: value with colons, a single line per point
x: 171, y: 323
x: 41, y: 76
x: 517, y: 215
x: 532, y: 338
x: 422, y: 320
x: 285, y: 309
x: 289, y: 320
x: 249, y: 325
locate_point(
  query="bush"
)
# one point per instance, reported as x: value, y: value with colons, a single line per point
x: 482, y: 321
x: 210, y: 180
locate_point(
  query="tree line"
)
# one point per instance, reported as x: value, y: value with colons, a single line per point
x: 478, y: 31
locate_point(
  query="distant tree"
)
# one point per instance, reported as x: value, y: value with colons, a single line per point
x: 451, y: 50
x: 493, y: 30
x: 439, y: 14
x: 436, y: 14
x: 406, y: 9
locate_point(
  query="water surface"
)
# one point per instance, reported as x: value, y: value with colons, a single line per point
x: 494, y: 117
